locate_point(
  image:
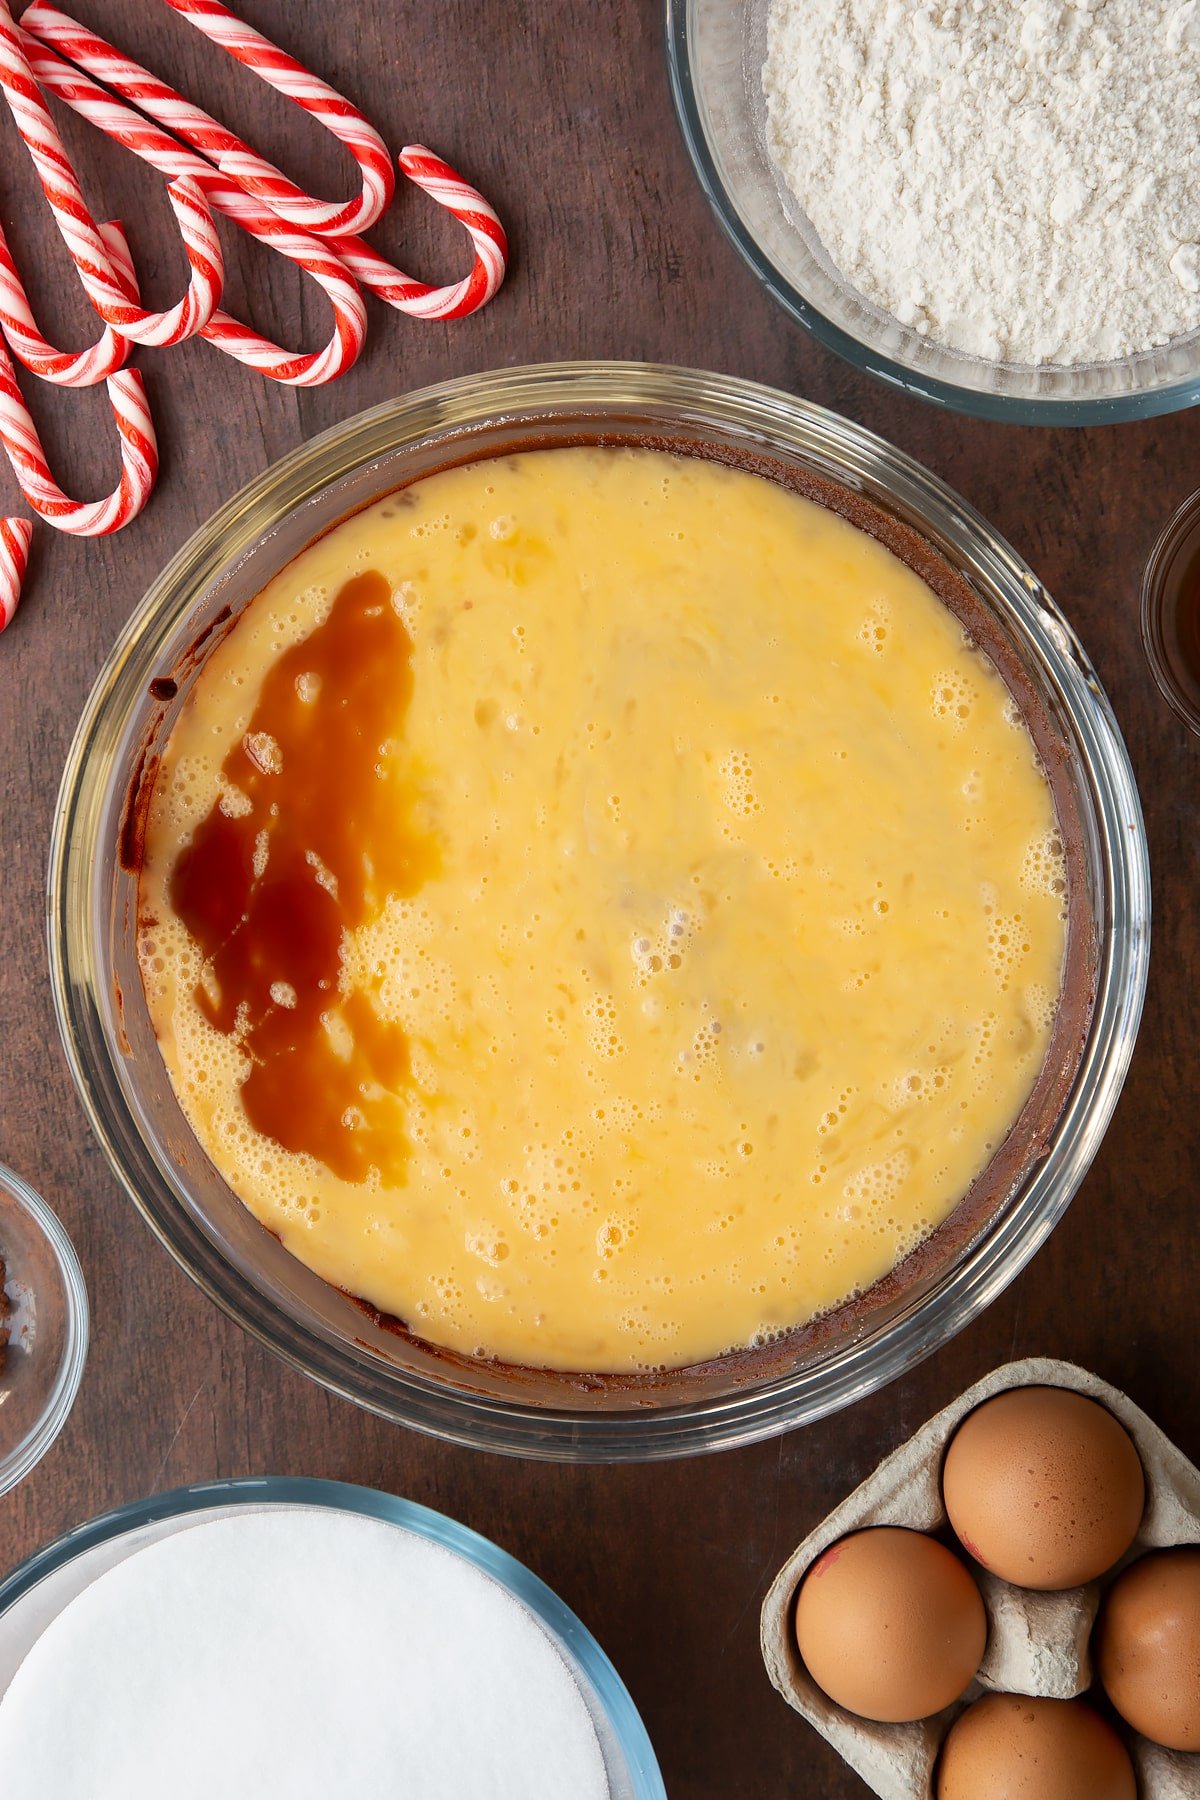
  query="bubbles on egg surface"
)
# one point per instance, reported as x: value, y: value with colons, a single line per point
x: 953, y: 698
x: 1009, y: 943
x: 603, y: 1037
x: 875, y: 628
x: 408, y: 601
x: 1041, y: 1004
x: 663, y: 948
x: 431, y: 525
x: 1044, y: 868
x: 615, y: 1234
x: 393, y: 958
x: 876, y: 1186
x: 488, y: 1245
x: 737, y: 774
x: 919, y: 1086
x: 233, y: 803
x: 183, y: 798
x: 264, y: 752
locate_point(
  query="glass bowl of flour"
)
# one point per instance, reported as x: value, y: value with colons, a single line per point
x: 996, y: 208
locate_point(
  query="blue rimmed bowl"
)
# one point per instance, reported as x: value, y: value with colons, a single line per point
x: 40, y: 1588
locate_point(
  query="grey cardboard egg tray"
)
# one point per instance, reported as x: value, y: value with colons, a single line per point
x: 1037, y: 1643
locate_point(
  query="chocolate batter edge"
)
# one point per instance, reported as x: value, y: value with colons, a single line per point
x: 1027, y: 1142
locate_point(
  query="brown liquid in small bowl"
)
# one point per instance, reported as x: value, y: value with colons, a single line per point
x: 1171, y: 612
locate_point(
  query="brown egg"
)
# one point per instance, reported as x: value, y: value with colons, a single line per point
x: 1043, y: 1487
x: 1009, y: 1747
x: 1148, y: 1647
x: 890, y: 1624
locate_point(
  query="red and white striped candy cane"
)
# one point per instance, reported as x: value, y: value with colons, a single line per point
x: 65, y: 368
x: 147, y: 141
x: 79, y: 230
x: 121, y: 257
x: 243, y: 165
x: 139, y: 457
x: 16, y: 535
x: 161, y: 103
x: 472, y: 211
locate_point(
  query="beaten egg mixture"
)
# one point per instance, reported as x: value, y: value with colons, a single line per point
x: 599, y: 908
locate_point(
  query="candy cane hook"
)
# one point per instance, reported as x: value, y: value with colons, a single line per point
x: 139, y: 457
x: 153, y: 145
x: 175, y: 114
x: 65, y: 368
x: 79, y: 230
x: 463, y: 202
x: 244, y: 166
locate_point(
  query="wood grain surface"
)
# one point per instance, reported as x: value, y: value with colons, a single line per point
x: 561, y: 114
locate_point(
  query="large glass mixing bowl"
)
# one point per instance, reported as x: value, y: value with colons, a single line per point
x: 121, y: 1076
x: 715, y: 53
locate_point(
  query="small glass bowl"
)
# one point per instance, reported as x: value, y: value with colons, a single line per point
x: 1177, y: 550
x: 33, y: 1595
x: 715, y: 53
x: 48, y: 1329
x: 119, y: 1071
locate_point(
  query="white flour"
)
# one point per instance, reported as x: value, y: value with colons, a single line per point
x: 1019, y: 179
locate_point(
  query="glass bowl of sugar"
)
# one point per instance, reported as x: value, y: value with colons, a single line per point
x: 980, y: 217
x: 440, y: 1657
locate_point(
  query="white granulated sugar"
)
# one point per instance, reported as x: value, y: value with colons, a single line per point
x: 1017, y: 179
x: 296, y: 1654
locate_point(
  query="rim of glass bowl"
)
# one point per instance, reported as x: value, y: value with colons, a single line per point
x: 654, y: 397
x: 25, y: 1456
x: 1171, y: 396
x: 1177, y: 534
x: 616, y: 1702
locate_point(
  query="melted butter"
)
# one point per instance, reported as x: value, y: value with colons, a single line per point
x: 598, y: 908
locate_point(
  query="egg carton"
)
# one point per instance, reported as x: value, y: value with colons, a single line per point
x: 1038, y: 1643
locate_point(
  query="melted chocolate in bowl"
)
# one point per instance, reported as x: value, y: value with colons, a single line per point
x: 202, y: 900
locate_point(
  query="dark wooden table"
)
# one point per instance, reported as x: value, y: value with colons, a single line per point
x: 561, y: 114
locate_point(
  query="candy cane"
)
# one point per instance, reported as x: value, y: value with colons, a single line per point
x: 472, y: 211
x: 79, y: 230
x: 241, y: 164
x: 121, y: 258
x: 161, y: 103
x: 65, y: 368
x: 153, y: 145
x: 139, y: 457
x: 321, y: 101
x: 16, y: 535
